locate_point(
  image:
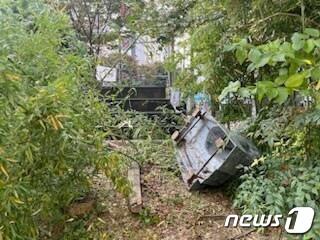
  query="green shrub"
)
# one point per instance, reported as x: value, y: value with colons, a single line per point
x: 277, y: 185
x: 49, y: 126
x: 288, y: 174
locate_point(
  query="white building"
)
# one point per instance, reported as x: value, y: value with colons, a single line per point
x: 144, y: 50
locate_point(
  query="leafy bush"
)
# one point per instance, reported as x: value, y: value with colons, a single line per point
x: 277, y: 186
x: 49, y: 126
x: 288, y: 174
x: 128, y: 66
x: 282, y: 67
x: 234, y: 110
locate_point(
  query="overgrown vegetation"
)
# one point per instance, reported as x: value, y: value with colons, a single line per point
x: 287, y: 75
x: 50, y: 134
x: 53, y: 125
x: 264, y: 54
x: 286, y: 175
x: 133, y: 74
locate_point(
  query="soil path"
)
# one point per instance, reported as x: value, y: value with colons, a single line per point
x: 170, y: 211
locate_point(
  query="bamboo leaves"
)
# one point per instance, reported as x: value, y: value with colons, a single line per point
x: 48, y: 127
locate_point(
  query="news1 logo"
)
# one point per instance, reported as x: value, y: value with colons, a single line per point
x: 304, y: 217
x: 299, y: 220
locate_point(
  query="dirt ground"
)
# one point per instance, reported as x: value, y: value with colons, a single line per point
x: 170, y: 211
